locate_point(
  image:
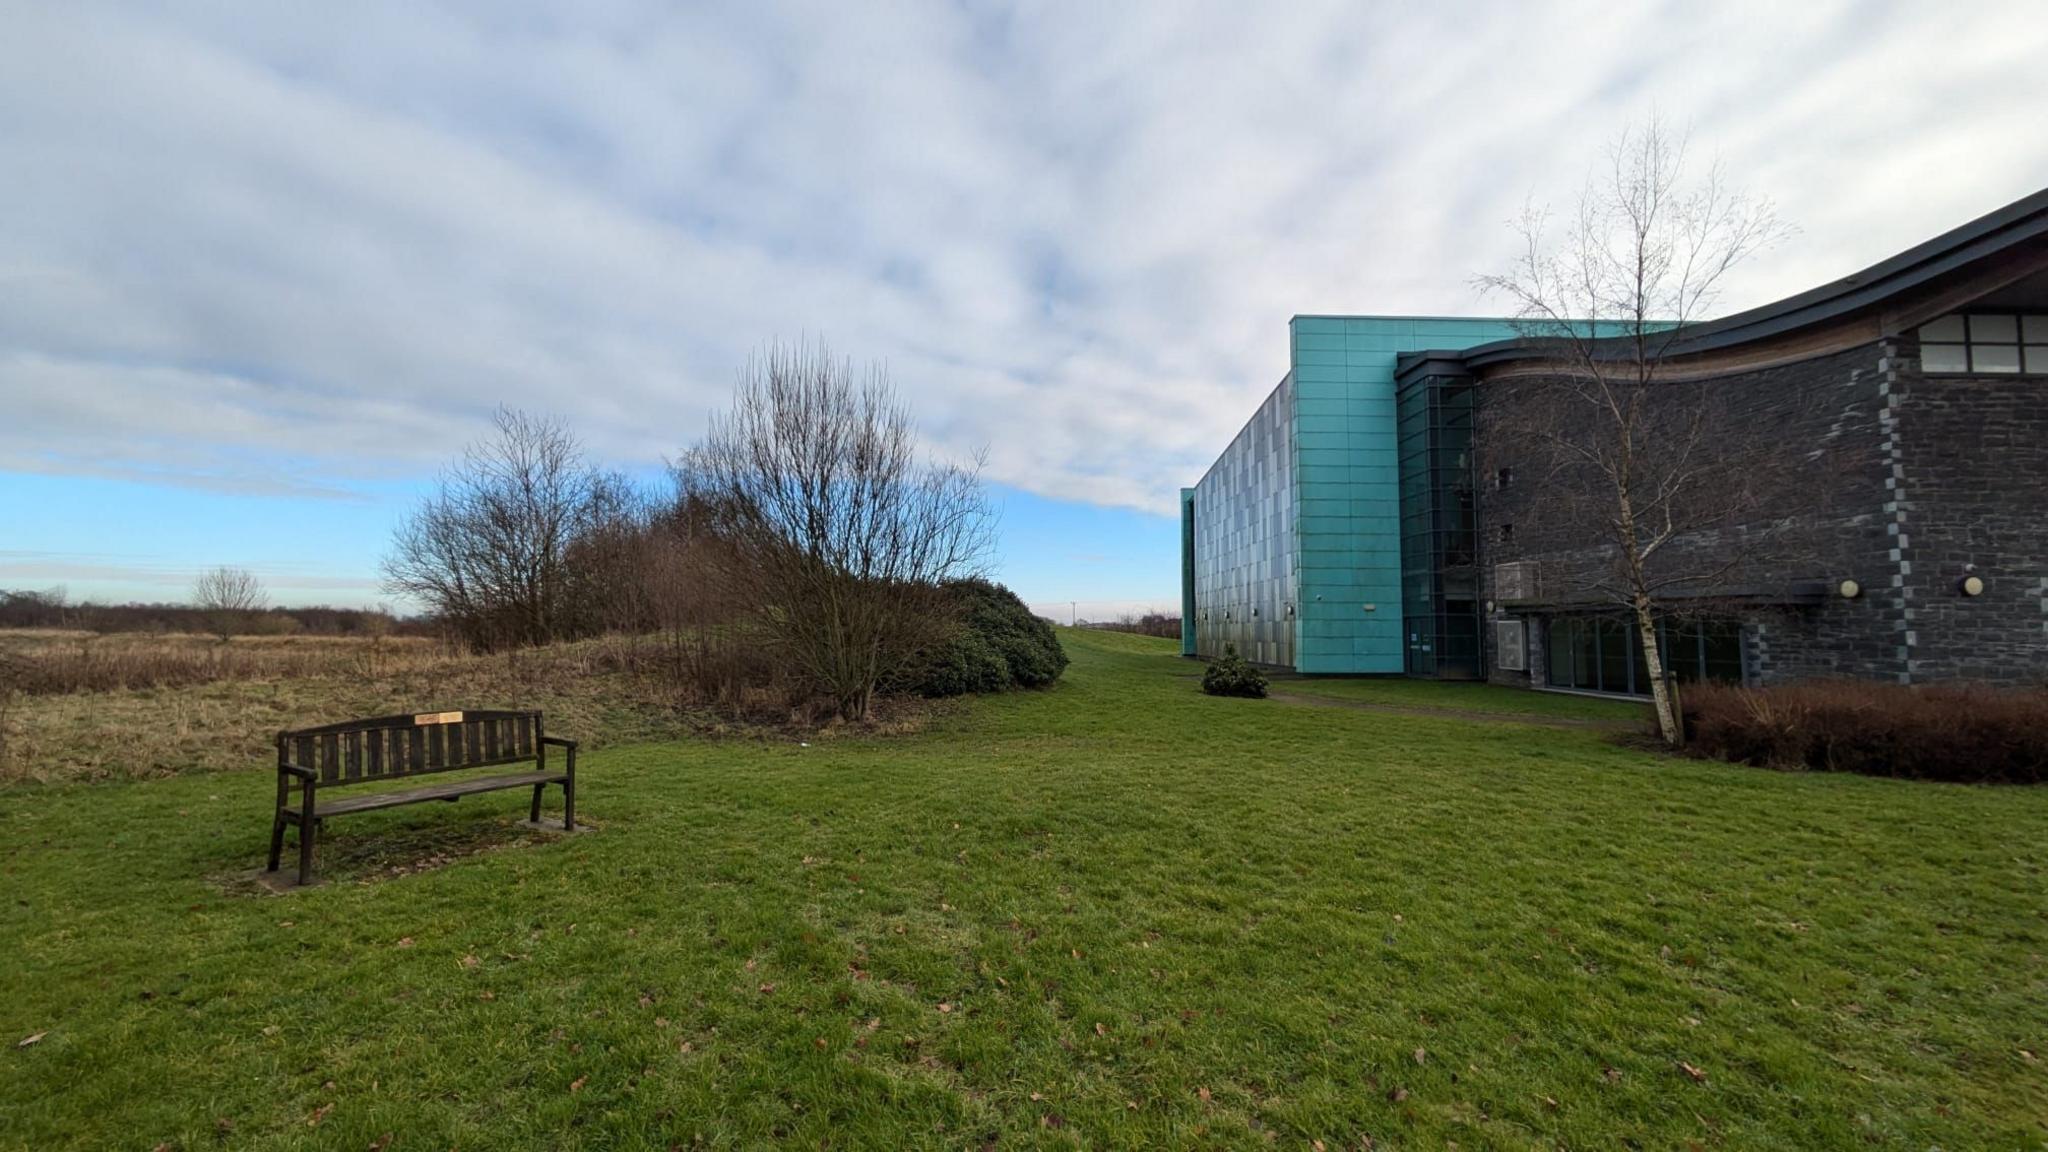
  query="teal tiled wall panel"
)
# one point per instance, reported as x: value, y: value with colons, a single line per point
x: 1348, y: 547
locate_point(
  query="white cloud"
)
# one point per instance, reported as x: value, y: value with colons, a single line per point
x: 300, y: 247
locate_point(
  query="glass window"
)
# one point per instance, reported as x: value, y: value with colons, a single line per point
x: 1600, y: 654
x: 1994, y: 358
x: 1948, y: 329
x: 1558, y: 652
x: 1613, y: 656
x: 1994, y: 330
x: 1944, y: 358
x: 1722, y: 649
x: 1986, y: 343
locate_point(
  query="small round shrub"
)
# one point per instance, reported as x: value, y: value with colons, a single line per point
x: 1233, y: 675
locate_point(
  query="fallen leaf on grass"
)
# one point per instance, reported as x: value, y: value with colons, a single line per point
x: 381, y: 1143
x: 1550, y: 1102
x: 1101, y: 1029
x: 470, y: 961
x: 405, y: 942
x: 1422, y: 1055
x: 271, y: 1029
x: 1699, y: 1077
x: 1203, y: 1093
x: 487, y: 994
x: 767, y: 988
x: 37, y: 1038
x: 318, y: 1115
x: 2024, y: 1054
x: 577, y: 1084
x: 945, y: 1007
x: 1613, y: 1075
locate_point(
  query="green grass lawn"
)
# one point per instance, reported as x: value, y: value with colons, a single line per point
x: 1114, y: 914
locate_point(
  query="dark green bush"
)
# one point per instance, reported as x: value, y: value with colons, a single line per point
x: 998, y: 645
x: 1233, y: 675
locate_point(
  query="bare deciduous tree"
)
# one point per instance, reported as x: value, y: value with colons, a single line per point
x: 228, y: 597
x: 1632, y: 450
x: 831, y: 521
x: 490, y: 551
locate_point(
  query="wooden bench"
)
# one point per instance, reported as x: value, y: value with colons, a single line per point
x: 394, y: 747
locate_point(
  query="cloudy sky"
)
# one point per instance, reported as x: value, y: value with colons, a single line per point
x: 264, y: 265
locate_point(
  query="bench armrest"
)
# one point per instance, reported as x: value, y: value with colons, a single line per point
x: 559, y: 741
x: 288, y: 769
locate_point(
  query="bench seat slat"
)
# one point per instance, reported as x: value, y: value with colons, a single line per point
x: 447, y: 790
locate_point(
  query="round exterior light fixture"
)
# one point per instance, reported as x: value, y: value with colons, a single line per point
x: 1971, y: 585
x: 1849, y: 589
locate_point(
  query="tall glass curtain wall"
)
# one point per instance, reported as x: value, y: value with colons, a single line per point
x: 1602, y: 654
x: 1241, y: 533
x: 1439, y: 545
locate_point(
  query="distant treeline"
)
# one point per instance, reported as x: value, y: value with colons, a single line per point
x: 1150, y: 624
x: 54, y: 609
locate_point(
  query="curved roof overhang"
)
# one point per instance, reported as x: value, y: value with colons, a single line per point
x: 1889, y: 297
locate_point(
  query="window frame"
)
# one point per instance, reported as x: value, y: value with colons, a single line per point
x: 2028, y: 344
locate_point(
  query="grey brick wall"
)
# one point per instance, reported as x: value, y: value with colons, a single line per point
x: 1973, y: 451
x: 1842, y: 428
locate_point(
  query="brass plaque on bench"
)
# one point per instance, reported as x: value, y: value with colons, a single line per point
x: 438, y: 718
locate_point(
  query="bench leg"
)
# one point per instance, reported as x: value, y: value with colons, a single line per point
x: 276, y: 840
x: 307, y: 835
x: 537, y: 790
x: 569, y: 804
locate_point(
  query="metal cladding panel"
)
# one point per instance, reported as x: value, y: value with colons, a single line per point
x: 1241, y: 561
x: 1348, y: 472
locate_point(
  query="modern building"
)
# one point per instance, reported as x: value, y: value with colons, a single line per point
x: 1388, y: 510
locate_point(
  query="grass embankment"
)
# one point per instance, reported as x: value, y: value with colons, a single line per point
x: 1114, y: 914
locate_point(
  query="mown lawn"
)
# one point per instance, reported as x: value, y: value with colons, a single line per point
x: 1115, y: 914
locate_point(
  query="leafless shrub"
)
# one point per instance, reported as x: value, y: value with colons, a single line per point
x: 832, y: 531
x: 1961, y: 733
x: 229, y: 598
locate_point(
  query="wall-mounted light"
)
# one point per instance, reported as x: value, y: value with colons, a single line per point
x: 1255, y: 613
x: 1849, y: 589
x: 1971, y: 585
x: 1290, y: 611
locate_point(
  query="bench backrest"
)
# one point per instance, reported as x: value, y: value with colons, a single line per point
x: 388, y: 747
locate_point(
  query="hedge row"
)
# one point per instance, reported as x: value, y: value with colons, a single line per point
x: 1965, y: 734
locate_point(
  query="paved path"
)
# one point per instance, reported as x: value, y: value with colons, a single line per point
x: 1447, y: 713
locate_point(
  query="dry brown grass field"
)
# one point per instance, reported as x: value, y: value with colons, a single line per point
x: 79, y: 706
